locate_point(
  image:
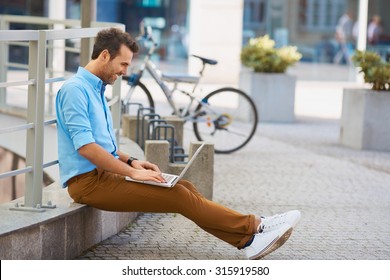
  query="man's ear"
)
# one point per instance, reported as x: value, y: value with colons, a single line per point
x: 105, y: 55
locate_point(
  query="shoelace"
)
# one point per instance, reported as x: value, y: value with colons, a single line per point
x: 270, y: 222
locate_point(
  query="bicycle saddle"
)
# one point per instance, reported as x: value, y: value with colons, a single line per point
x: 206, y: 60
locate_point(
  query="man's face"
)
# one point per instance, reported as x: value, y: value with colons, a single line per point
x: 117, y: 66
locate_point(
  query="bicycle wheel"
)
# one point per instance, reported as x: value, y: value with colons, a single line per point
x: 140, y: 95
x: 226, y: 117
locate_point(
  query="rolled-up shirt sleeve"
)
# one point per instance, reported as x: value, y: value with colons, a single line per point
x: 76, y: 117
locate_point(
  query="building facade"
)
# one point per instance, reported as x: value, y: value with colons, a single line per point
x: 182, y: 27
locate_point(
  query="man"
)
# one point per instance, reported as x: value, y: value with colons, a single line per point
x: 94, y: 170
x: 344, y: 37
x: 374, y: 30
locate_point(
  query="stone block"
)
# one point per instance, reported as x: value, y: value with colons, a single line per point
x: 109, y: 224
x: 178, y: 124
x: 92, y: 227
x: 27, y: 244
x: 6, y: 247
x: 273, y: 94
x: 133, y: 130
x: 53, y: 240
x: 365, y: 119
x: 75, y: 235
x: 157, y: 151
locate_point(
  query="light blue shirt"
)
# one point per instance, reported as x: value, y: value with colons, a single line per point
x: 83, y: 117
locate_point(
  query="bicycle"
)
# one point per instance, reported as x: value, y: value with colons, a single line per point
x: 226, y: 117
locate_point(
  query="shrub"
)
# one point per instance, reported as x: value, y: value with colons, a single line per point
x: 261, y: 55
x: 375, y: 70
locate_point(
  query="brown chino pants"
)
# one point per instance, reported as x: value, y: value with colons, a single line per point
x: 111, y: 192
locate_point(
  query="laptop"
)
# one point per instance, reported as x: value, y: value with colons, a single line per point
x: 170, y: 179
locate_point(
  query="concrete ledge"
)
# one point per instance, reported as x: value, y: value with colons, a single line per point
x: 60, y: 233
x: 63, y: 232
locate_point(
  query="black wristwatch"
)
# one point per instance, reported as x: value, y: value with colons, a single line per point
x: 130, y: 160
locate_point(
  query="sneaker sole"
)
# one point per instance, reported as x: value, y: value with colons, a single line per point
x: 275, y: 244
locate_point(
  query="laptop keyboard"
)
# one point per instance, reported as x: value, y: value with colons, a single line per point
x: 168, y: 177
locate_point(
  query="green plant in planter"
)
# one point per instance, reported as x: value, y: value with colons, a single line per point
x: 261, y: 55
x: 375, y: 70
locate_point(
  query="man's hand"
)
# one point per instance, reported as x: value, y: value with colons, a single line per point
x: 140, y: 164
x: 147, y: 175
x: 142, y: 170
x: 146, y: 171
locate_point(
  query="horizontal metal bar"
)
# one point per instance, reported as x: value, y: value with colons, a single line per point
x: 18, y: 35
x: 26, y: 170
x: 32, y: 82
x: 49, y: 122
x: 72, y: 50
x: 16, y: 172
x: 35, y: 20
x: 49, y: 22
x: 16, y: 128
x: 113, y: 101
x: 72, y: 33
x: 17, y: 65
x: 57, y: 79
x: 19, y: 43
x: 18, y: 83
x: 51, y: 163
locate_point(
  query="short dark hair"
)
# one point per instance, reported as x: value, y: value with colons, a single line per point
x: 112, y: 39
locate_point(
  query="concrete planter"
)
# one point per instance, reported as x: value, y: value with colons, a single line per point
x: 273, y: 94
x: 365, y: 119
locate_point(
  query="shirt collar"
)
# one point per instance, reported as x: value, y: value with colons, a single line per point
x: 95, y: 81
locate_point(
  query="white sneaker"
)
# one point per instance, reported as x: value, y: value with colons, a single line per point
x: 290, y: 218
x: 267, y: 242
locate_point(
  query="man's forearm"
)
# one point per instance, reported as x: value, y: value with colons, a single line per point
x: 122, y: 156
x: 104, y: 160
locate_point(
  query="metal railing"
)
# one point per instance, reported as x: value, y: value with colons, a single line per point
x: 7, y: 21
x: 38, y: 41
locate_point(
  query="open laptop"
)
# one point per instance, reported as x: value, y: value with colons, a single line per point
x: 170, y: 179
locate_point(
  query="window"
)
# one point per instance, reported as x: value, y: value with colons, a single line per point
x: 255, y: 18
x: 254, y: 14
x: 320, y: 15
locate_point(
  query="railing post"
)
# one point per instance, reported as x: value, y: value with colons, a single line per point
x: 88, y: 15
x: 4, y: 25
x: 116, y: 108
x: 50, y: 70
x: 35, y: 114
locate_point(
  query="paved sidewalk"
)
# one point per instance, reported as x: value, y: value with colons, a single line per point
x: 344, y: 196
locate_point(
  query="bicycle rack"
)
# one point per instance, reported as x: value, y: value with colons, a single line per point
x: 147, y: 118
x: 150, y: 126
x: 126, y: 107
x: 156, y: 135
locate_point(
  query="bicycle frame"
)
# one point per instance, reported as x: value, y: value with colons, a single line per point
x: 156, y: 74
x: 211, y: 122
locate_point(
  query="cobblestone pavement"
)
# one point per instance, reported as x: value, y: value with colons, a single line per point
x: 343, y: 194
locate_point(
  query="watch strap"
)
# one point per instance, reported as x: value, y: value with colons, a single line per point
x: 130, y: 160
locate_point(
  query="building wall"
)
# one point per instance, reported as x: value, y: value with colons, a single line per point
x: 215, y: 32
x: 215, y: 28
